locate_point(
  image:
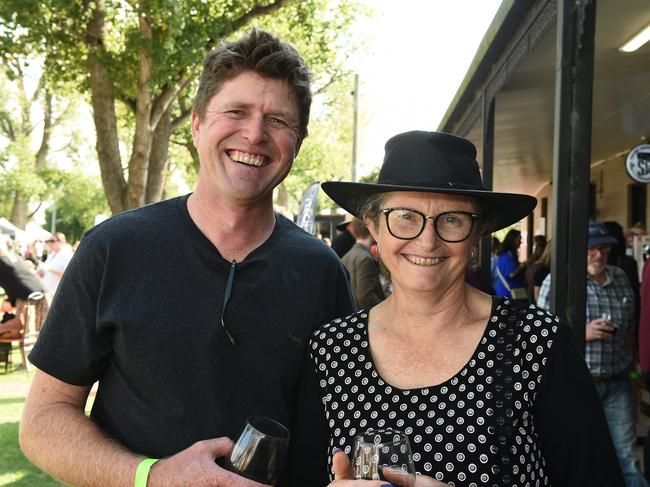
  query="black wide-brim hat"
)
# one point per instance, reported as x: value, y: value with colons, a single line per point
x: 434, y: 162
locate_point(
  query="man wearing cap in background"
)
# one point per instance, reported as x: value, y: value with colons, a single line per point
x: 610, y: 345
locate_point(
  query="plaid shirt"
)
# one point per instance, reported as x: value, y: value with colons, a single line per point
x: 610, y: 356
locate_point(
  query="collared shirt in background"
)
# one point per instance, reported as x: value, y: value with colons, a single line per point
x: 607, y: 357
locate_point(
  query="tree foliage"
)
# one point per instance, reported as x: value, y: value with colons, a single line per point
x: 29, y: 116
x: 143, y: 57
x: 79, y: 199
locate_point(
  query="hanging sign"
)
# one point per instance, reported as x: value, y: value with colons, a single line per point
x: 637, y: 163
x: 306, y: 214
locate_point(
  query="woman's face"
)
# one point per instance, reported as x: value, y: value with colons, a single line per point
x: 425, y: 263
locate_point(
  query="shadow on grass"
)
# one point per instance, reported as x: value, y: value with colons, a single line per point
x: 15, y: 469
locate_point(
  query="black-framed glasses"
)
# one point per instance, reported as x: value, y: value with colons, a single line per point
x: 450, y: 226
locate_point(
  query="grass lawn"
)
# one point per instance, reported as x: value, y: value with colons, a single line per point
x: 15, y: 469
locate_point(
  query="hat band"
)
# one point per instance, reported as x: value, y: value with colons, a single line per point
x: 434, y: 184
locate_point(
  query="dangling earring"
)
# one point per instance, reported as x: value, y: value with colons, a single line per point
x: 473, y: 258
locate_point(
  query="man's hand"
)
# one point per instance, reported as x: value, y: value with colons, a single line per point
x: 599, y: 329
x: 343, y: 476
x: 196, y: 466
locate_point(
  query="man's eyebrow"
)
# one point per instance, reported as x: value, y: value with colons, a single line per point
x: 229, y: 105
x: 244, y: 105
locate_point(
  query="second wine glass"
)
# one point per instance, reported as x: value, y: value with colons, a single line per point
x: 378, y: 449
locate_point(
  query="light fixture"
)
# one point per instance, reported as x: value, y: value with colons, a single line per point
x: 637, y: 41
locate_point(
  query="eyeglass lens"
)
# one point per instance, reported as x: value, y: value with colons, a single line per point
x: 451, y: 226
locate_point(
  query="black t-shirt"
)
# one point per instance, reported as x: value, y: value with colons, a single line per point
x: 522, y: 412
x: 17, y: 279
x: 139, y: 308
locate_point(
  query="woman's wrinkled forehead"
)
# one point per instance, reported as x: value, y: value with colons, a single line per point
x: 435, y: 201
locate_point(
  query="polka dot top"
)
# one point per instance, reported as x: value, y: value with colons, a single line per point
x: 476, y: 428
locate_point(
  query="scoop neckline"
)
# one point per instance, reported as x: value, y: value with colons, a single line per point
x: 482, y: 343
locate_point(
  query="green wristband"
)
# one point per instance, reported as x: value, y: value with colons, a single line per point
x: 142, y: 472
x: 634, y: 375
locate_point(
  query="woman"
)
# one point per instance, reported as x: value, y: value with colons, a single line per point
x: 510, y: 272
x: 532, y: 264
x: 543, y: 269
x: 489, y: 392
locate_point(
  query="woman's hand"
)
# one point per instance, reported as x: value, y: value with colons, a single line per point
x: 343, y: 476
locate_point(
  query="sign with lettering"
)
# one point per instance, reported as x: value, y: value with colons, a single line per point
x: 637, y: 163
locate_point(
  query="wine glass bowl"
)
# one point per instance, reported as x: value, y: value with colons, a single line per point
x: 260, y: 450
x: 377, y: 449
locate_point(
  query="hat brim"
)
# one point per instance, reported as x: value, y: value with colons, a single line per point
x: 341, y: 227
x: 603, y: 240
x: 499, y: 210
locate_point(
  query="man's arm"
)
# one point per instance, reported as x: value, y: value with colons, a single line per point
x: 56, y: 435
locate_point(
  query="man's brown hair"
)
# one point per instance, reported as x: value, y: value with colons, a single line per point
x: 359, y: 228
x: 264, y: 54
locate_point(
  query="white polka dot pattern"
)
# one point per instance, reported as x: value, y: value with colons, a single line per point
x: 475, y: 429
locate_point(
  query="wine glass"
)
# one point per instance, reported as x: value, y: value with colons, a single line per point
x: 378, y: 449
x: 260, y: 450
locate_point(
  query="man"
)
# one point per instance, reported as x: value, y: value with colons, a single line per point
x: 194, y: 313
x: 58, y: 257
x: 18, y: 281
x: 609, y: 345
x: 364, y: 272
x: 344, y: 239
x: 16, y: 277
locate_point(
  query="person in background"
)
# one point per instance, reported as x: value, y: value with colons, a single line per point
x: 194, y: 313
x: 363, y: 269
x: 18, y: 280
x: 644, y: 352
x: 345, y: 238
x: 542, y: 270
x: 16, y: 277
x: 510, y: 271
x: 619, y: 258
x: 532, y: 262
x: 58, y: 257
x: 490, y: 392
x: 610, y: 345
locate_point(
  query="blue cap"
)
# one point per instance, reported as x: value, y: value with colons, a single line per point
x: 599, y: 235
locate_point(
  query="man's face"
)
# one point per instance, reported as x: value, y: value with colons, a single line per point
x: 597, y: 259
x: 247, y: 140
x: 53, y: 243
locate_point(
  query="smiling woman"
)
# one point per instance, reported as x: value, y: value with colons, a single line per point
x: 471, y: 379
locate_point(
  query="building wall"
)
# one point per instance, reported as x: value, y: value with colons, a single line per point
x: 611, y: 184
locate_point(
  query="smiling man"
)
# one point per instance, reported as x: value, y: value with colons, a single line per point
x: 192, y: 314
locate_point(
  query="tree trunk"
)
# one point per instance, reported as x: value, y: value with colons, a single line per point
x: 103, y: 103
x: 44, y: 148
x: 142, y: 139
x: 158, y: 158
x: 19, y: 210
